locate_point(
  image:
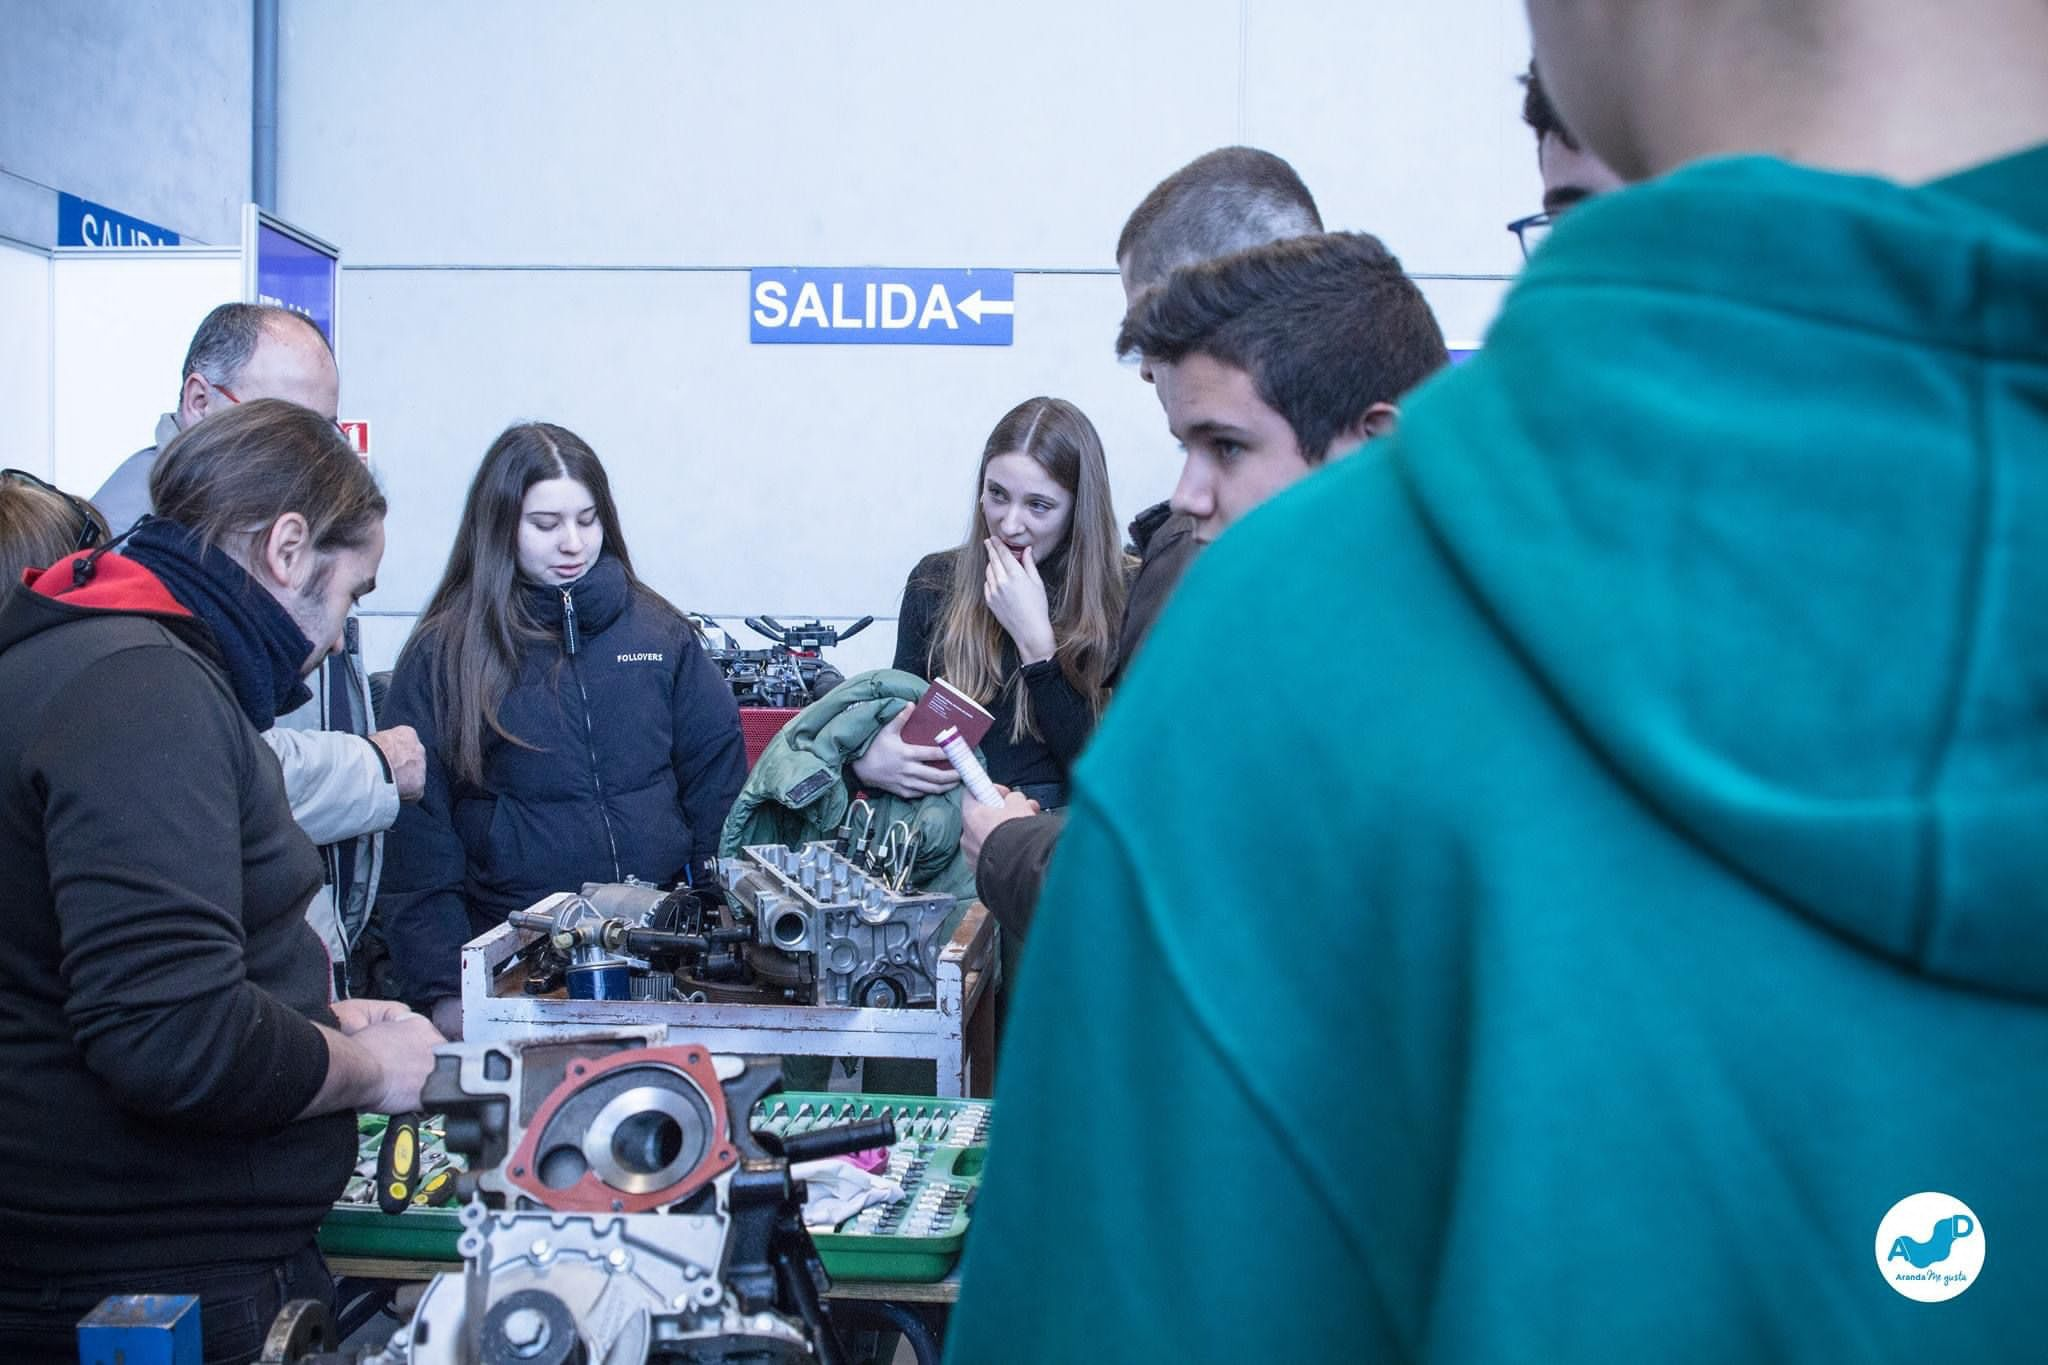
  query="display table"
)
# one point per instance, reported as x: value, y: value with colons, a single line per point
x: 957, y: 1033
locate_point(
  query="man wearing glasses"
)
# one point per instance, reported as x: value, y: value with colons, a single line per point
x: 344, y: 792
x: 240, y: 352
x: 1571, y: 172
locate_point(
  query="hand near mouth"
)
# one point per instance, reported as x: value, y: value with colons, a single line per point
x: 1016, y: 594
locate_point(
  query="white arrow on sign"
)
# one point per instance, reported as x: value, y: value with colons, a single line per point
x: 974, y: 305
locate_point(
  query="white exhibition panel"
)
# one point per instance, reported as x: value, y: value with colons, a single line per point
x: 25, y: 360
x: 122, y: 322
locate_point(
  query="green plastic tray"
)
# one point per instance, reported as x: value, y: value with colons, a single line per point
x: 939, y: 1151
x: 415, y: 1235
x: 940, y: 1146
x: 418, y: 1234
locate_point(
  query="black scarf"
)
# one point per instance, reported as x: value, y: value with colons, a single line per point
x: 260, y: 645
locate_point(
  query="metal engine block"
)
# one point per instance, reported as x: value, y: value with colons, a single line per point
x: 869, y: 945
x: 620, y: 1211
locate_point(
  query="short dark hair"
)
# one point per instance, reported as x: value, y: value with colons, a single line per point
x: 1326, y: 326
x: 1539, y: 113
x: 228, y: 479
x: 1222, y: 201
x: 228, y: 335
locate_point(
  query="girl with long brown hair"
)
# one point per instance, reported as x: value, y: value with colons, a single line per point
x: 1023, y: 615
x: 575, y: 729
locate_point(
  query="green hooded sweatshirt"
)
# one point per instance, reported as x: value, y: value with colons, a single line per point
x: 1659, y: 895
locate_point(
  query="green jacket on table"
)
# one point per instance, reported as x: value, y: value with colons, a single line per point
x: 798, y: 790
x: 1665, y: 895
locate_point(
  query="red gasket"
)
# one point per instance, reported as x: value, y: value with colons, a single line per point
x: 592, y: 1195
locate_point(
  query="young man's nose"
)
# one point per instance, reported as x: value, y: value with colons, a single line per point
x: 1194, y: 495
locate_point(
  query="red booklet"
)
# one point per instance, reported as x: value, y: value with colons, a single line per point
x: 942, y: 707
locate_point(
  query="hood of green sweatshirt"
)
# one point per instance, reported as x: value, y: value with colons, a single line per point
x: 1770, y: 524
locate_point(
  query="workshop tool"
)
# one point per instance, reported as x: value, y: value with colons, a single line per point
x: 937, y: 1159
x: 398, y: 1162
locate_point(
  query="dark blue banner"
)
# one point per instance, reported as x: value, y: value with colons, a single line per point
x: 290, y: 274
x: 80, y: 222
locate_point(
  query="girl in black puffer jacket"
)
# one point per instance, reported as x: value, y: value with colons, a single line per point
x: 575, y: 729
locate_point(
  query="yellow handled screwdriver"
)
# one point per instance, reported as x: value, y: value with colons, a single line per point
x: 398, y: 1162
x: 437, y: 1189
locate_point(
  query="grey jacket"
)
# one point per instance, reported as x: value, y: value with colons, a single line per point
x: 125, y: 494
x: 342, y: 795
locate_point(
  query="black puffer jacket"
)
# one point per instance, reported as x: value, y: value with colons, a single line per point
x: 634, y: 759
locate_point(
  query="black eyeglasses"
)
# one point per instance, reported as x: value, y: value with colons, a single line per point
x: 89, y: 533
x: 1531, y: 230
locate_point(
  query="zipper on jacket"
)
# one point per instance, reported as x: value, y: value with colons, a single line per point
x: 570, y: 642
x: 572, y: 638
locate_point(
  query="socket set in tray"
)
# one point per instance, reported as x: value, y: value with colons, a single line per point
x: 940, y: 1147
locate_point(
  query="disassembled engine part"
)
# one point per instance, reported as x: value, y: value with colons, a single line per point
x: 863, y: 941
x: 627, y: 940
x: 620, y: 1212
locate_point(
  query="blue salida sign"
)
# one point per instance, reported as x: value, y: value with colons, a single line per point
x: 80, y: 222
x: 881, y: 307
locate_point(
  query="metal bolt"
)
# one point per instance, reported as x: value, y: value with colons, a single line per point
x: 618, y: 1259
x: 526, y: 1332
x: 541, y: 1248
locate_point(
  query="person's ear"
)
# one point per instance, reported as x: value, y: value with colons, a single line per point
x: 1379, y: 420
x: 286, y: 554
x: 194, y: 401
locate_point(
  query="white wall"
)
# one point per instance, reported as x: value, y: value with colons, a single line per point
x: 137, y: 104
x: 547, y: 211
x: 25, y: 360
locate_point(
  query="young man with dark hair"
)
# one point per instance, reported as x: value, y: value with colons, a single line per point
x: 1268, y: 362
x: 1221, y: 202
x: 1224, y: 201
x: 1272, y: 361
x: 1624, y: 935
